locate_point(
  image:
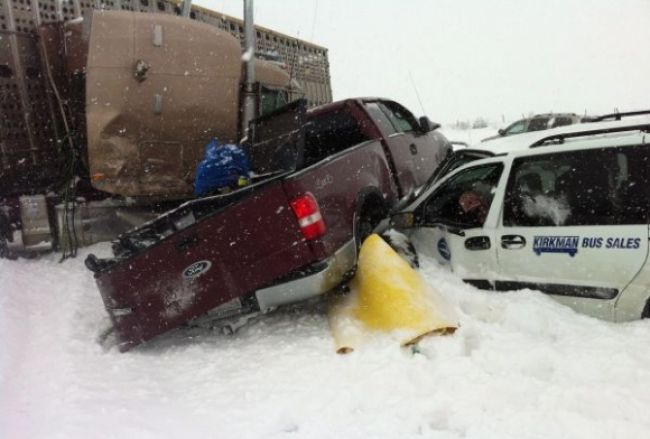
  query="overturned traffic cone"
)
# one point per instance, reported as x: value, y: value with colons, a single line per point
x: 389, y: 296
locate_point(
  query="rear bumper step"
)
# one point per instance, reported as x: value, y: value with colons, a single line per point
x: 329, y: 276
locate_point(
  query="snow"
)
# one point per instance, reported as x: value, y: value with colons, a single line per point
x: 248, y: 54
x: 520, y: 366
x: 471, y: 136
x: 544, y: 206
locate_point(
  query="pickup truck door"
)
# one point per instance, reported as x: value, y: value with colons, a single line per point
x: 575, y: 225
x: 459, y: 238
x: 428, y: 149
x: 401, y: 147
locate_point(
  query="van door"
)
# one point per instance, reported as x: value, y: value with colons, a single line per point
x: 575, y: 225
x: 456, y: 223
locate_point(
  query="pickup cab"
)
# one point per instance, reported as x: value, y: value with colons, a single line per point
x: 325, y: 178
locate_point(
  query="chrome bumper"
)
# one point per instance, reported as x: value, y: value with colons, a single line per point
x: 312, y: 284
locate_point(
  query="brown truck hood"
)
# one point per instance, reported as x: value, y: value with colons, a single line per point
x: 158, y: 87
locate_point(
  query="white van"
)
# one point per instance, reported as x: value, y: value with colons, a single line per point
x: 563, y: 211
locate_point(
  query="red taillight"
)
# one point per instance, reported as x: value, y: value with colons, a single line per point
x: 309, y: 217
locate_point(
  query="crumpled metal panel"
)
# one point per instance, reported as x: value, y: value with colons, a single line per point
x: 158, y: 87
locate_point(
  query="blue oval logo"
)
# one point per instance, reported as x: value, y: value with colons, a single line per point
x: 443, y: 249
x: 196, y: 269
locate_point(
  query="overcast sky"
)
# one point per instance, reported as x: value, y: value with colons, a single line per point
x: 476, y: 58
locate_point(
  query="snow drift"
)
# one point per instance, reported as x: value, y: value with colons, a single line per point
x: 519, y: 366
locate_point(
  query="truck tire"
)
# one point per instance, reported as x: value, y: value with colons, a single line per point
x: 5, y: 227
x: 5, y: 236
x: 372, y: 211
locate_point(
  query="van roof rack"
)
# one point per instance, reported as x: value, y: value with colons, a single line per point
x: 615, y: 116
x: 562, y: 136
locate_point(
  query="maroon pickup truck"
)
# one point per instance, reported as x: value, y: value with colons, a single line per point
x: 327, y: 177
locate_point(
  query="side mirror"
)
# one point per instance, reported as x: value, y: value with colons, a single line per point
x: 502, y: 132
x: 403, y: 220
x: 426, y: 125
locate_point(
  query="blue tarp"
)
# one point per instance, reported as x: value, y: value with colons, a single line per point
x: 222, y: 166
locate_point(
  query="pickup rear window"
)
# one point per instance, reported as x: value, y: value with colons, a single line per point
x: 330, y: 133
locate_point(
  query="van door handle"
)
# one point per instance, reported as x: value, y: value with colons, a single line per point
x: 513, y: 242
x: 414, y: 148
x: 477, y: 243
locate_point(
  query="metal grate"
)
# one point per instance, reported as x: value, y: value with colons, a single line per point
x: 306, y: 62
x: 4, y: 19
x: 23, y: 18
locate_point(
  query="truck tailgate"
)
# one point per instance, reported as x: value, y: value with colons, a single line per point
x: 224, y: 256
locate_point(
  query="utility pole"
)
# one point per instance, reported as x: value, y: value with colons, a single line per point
x: 248, y: 112
x: 187, y: 8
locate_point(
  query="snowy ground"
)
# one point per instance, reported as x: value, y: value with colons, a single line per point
x: 521, y: 366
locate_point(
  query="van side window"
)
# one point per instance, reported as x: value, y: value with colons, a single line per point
x: 330, y: 133
x: 592, y: 187
x: 465, y: 199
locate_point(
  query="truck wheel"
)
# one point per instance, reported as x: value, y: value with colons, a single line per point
x: 371, y: 215
x: 6, y: 236
x: 364, y: 229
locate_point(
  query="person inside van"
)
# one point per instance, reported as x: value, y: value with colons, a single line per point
x: 474, y: 207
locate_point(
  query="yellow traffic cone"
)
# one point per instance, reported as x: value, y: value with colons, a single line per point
x: 387, y: 295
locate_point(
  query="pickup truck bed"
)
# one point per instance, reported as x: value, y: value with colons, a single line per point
x: 287, y: 238
x: 202, y: 264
